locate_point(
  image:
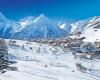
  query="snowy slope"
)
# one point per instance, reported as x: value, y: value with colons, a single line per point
x: 84, y: 24
x: 92, y: 30
x: 65, y: 26
x: 25, y: 22
x: 92, y: 34
x: 32, y: 63
x: 79, y: 25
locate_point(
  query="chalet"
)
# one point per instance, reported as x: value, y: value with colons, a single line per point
x: 97, y: 44
x: 51, y: 42
x: 12, y: 43
x: 96, y: 53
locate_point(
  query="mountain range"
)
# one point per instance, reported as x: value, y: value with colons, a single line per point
x: 30, y: 27
x: 43, y: 27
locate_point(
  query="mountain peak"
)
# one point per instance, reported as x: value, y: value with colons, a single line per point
x: 42, y: 18
x: 42, y: 15
x: 93, y: 19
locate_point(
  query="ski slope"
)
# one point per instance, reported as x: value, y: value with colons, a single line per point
x: 36, y: 61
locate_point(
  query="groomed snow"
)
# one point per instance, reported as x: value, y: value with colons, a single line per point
x: 43, y: 63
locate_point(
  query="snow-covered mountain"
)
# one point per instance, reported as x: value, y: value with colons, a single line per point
x: 90, y: 28
x: 40, y: 27
x: 92, y: 32
x: 6, y: 29
x: 30, y: 27
x: 79, y: 25
x: 84, y: 24
x: 43, y: 27
x: 65, y: 26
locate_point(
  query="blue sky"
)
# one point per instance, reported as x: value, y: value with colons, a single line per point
x: 68, y: 9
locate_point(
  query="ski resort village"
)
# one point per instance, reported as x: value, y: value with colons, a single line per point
x: 38, y: 48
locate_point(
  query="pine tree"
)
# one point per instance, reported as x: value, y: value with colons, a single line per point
x: 3, y: 53
x: 4, y: 61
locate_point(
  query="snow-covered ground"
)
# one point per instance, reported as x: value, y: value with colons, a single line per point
x: 92, y: 35
x: 36, y: 61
